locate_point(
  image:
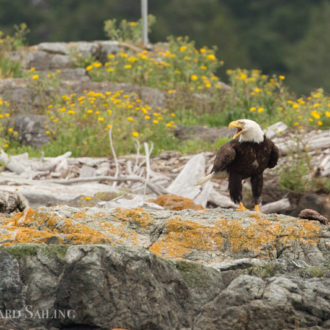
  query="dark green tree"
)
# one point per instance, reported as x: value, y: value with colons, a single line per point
x: 309, y: 60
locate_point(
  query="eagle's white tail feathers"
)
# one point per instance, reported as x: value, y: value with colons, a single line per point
x: 204, y: 179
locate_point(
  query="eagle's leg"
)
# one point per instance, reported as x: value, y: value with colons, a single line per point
x: 257, y: 184
x: 235, y: 190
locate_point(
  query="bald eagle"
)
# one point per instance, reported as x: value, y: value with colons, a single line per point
x: 247, y: 155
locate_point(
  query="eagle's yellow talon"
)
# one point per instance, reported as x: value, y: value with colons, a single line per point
x: 257, y: 208
x: 241, y: 207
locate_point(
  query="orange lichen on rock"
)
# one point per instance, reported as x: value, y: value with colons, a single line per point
x: 120, y: 231
x: 33, y: 227
x: 175, y: 202
x: 260, y: 237
x: 79, y: 215
x: 184, y: 235
x: 137, y: 215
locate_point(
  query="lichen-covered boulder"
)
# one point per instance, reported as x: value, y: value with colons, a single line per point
x: 163, y: 269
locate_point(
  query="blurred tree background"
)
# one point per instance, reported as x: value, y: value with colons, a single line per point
x: 275, y: 36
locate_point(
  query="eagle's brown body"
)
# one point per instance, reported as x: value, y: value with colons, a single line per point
x: 244, y: 160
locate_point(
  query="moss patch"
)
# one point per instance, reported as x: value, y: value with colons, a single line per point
x: 22, y: 250
x: 55, y: 250
x: 308, y: 272
x: 195, y: 275
x: 267, y: 270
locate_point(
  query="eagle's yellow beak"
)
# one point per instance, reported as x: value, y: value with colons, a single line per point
x: 239, y: 127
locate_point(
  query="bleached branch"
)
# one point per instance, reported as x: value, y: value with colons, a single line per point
x: 155, y: 188
x: 114, y: 155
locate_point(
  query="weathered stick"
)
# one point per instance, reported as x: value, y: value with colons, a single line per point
x: 275, y: 207
x: 155, y: 188
x: 146, y: 149
x: 114, y: 154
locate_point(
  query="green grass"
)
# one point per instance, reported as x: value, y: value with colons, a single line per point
x: 191, y: 118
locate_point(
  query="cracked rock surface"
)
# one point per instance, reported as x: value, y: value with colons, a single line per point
x: 98, y: 268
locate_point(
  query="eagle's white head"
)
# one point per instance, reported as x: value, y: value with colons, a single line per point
x: 247, y: 130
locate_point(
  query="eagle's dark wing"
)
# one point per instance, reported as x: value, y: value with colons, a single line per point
x: 274, y: 155
x: 224, y: 157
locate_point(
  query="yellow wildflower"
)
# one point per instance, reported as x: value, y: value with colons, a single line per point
x: 35, y: 77
x: 132, y: 59
x: 194, y: 77
x: 135, y: 134
x: 243, y: 76
x: 211, y: 57
x: 315, y: 114
x: 261, y: 110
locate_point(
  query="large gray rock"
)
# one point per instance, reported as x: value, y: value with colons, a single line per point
x: 31, y: 129
x: 22, y: 97
x: 115, y: 287
x: 276, y: 303
x: 60, y: 55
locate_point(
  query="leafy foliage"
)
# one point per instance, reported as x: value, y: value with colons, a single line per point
x: 126, y: 31
x: 8, y: 43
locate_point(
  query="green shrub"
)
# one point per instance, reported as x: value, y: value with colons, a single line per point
x: 126, y: 31
x: 8, y: 67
